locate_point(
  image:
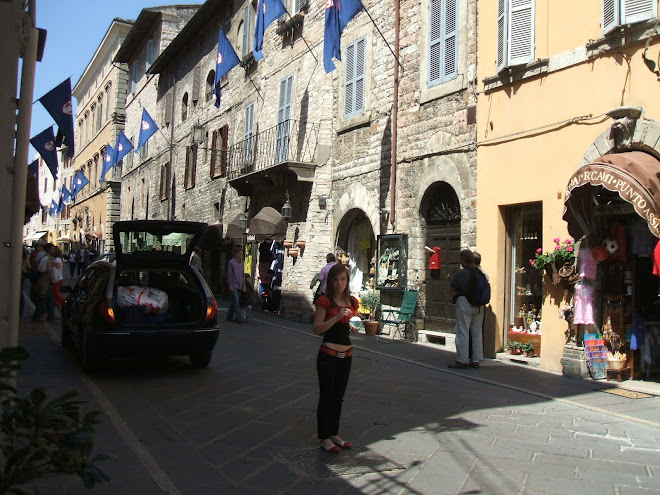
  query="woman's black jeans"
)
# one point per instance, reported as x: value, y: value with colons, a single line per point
x: 333, y: 377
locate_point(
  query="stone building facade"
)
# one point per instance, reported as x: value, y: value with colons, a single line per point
x: 338, y: 169
x: 101, y: 96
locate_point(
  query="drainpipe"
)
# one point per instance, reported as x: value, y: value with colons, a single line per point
x: 395, y: 111
x: 170, y: 185
x: 30, y: 36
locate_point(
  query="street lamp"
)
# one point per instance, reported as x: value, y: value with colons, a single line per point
x: 286, y: 208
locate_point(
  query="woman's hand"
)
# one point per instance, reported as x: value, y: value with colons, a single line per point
x: 353, y: 328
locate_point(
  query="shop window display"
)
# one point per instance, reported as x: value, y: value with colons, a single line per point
x: 392, y: 262
x: 525, y: 282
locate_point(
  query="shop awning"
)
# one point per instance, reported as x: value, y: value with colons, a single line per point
x: 634, y: 175
x: 268, y: 225
x: 234, y: 230
x: 35, y: 236
x: 64, y: 238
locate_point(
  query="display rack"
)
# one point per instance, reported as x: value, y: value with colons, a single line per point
x: 596, y: 353
x: 392, y: 262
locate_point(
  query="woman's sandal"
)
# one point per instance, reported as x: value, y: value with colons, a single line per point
x: 333, y: 450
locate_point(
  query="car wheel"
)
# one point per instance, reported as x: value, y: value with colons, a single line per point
x: 200, y: 359
x: 89, y: 358
x: 67, y: 338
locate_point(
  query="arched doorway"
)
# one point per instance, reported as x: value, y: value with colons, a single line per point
x: 440, y: 212
x: 355, y: 236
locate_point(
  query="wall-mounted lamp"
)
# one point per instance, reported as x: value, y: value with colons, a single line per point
x: 242, y: 222
x: 323, y: 202
x: 198, y: 134
x: 286, y: 208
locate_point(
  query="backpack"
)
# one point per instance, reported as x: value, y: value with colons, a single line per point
x: 479, y: 288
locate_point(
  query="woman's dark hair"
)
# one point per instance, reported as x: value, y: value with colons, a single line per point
x: 330, y: 258
x: 334, y: 272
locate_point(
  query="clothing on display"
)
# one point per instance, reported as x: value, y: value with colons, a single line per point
x: 584, y: 311
x: 587, y: 263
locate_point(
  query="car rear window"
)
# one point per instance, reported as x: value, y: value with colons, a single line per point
x: 179, y: 243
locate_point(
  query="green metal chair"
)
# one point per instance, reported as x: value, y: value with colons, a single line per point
x: 403, y: 316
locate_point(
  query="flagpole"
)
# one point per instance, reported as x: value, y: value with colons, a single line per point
x: 381, y: 35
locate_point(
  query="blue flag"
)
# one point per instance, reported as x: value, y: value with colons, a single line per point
x: 122, y: 147
x: 109, y: 161
x: 147, y: 129
x: 79, y: 181
x: 33, y: 168
x: 225, y: 60
x: 338, y: 13
x: 44, y: 143
x: 60, y: 203
x: 58, y: 103
x: 66, y: 195
x: 53, y: 207
x: 74, y: 186
x: 267, y: 12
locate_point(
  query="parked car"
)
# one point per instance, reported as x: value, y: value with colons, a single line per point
x: 109, y: 256
x: 150, y: 301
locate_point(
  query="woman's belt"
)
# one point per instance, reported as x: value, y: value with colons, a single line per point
x: 337, y: 354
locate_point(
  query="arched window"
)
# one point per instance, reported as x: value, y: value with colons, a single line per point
x: 92, y: 123
x: 107, y: 101
x: 99, y: 113
x: 184, y: 107
x: 210, y: 84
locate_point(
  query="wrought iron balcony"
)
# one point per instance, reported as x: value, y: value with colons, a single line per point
x: 291, y: 145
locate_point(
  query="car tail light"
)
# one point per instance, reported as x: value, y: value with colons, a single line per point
x: 107, y: 313
x: 211, y: 309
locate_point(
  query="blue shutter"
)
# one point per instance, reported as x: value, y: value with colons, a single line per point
x: 610, y: 17
x: 245, y: 49
x: 349, y: 80
x: 354, y: 78
x: 521, y: 29
x: 360, y: 63
x: 450, y: 41
x: 150, y: 52
x: 638, y: 10
x: 435, y: 42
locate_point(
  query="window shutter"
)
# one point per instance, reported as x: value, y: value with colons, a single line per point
x: 134, y: 76
x: 501, y: 34
x: 168, y: 107
x: 224, y: 133
x: 214, y: 151
x: 197, y: 75
x: 245, y: 48
x: 194, y: 166
x: 360, y: 62
x: 435, y: 42
x: 187, y: 172
x: 638, y: 10
x: 162, y: 181
x: 610, y: 19
x: 349, y: 84
x: 450, y: 40
x: 521, y: 29
x: 168, y: 180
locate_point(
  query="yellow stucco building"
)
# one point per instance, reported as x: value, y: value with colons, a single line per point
x: 562, y: 85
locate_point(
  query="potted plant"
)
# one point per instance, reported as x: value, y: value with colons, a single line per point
x: 513, y: 346
x: 371, y: 301
x: 528, y: 348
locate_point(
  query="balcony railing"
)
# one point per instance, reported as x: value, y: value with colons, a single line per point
x: 290, y: 141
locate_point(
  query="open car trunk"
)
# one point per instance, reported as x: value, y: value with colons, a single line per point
x: 157, y: 297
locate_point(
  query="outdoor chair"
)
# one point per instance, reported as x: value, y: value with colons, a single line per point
x: 402, y: 317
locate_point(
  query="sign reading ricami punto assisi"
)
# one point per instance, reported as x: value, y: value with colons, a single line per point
x: 635, y: 184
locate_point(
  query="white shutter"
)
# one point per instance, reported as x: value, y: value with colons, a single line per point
x: 638, y: 10
x: 360, y: 63
x: 502, y: 34
x: 435, y: 42
x: 610, y: 18
x: 450, y: 26
x: 246, y: 31
x: 283, y: 116
x: 521, y: 27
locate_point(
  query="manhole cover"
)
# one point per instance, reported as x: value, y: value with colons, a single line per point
x: 316, y: 463
x: 630, y: 394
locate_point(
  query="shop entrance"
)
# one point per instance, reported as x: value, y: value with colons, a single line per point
x: 441, y: 215
x: 356, y: 241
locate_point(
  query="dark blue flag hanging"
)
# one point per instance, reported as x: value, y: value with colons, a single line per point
x: 53, y: 207
x: 79, y: 181
x: 33, y: 168
x: 58, y: 103
x: 122, y: 147
x: 267, y: 12
x: 225, y: 60
x: 147, y: 129
x: 44, y: 143
x: 109, y: 161
x: 338, y: 13
x: 60, y: 203
x: 66, y: 194
x: 74, y: 186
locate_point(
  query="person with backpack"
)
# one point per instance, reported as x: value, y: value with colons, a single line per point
x: 472, y: 293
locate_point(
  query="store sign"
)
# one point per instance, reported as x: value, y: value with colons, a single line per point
x: 365, y: 245
x: 627, y: 186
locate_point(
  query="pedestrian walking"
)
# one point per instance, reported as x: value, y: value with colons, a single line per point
x: 469, y: 318
x: 72, y: 263
x: 245, y: 301
x: 236, y: 283
x: 330, y: 261
x: 41, y: 294
x: 82, y: 259
x: 333, y: 362
x: 56, y: 278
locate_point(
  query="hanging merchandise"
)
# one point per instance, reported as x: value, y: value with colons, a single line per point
x: 587, y: 264
x: 584, y: 312
x: 277, y: 265
x: 618, y: 232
